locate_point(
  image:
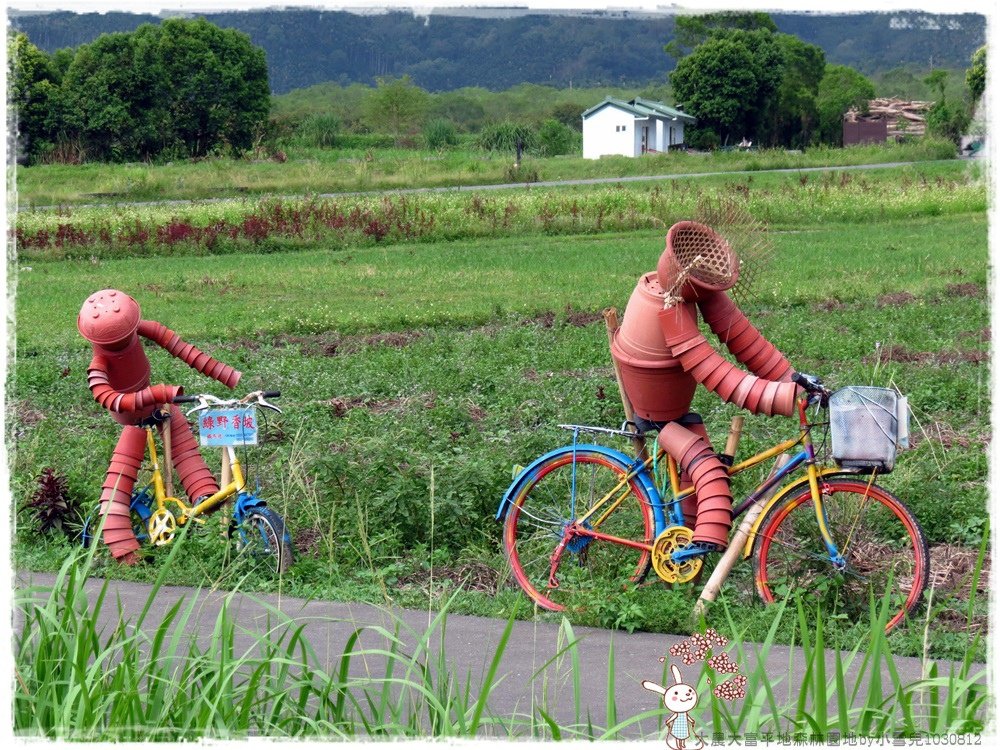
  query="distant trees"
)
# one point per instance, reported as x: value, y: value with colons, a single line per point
x: 840, y: 89
x: 947, y: 118
x: 33, y: 95
x: 742, y: 78
x: 975, y: 76
x: 180, y: 88
x: 690, y: 31
x: 794, y: 112
x: 721, y: 84
x: 756, y: 84
x: 397, y: 104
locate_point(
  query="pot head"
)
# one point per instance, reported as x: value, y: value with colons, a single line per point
x: 109, y: 318
x: 696, y: 258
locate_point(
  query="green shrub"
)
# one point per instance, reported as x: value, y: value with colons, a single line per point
x: 948, y: 120
x: 705, y: 139
x: 440, y: 134
x: 504, y: 136
x: 555, y: 139
x: 366, y: 140
x: 319, y: 131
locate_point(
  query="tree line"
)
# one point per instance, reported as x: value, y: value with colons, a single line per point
x: 179, y: 89
x: 187, y: 88
x: 743, y: 79
x: 442, y: 52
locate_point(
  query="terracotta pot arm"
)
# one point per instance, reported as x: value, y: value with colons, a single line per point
x: 746, y: 343
x: 121, y: 402
x: 188, y: 353
x: 708, y: 367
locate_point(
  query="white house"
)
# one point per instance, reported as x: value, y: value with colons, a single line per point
x: 632, y: 128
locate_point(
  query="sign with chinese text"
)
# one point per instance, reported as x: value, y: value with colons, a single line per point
x: 228, y: 427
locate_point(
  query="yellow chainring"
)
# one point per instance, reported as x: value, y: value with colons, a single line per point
x: 667, y: 543
x: 162, y: 527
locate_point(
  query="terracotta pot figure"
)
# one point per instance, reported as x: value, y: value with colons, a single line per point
x: 660, y: 373
x: 119, y: 378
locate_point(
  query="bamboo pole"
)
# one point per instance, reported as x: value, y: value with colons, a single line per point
x: 735, y: 549
x: 611, y: 324
x: 735, y: 430
x: 168, y: 458
x: 227, y: 470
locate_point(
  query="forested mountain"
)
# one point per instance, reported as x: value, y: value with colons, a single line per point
x: 444, y: 52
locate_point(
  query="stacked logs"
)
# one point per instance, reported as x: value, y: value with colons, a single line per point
x: 902, y: 117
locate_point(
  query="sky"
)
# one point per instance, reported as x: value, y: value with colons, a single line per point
x: 153, y: 6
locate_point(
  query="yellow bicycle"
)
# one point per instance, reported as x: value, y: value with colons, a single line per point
x: 157, y: 513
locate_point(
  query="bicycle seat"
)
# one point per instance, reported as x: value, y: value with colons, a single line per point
x: 158, y: 417
x: 644, y: 425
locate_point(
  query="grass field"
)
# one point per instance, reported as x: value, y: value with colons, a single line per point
x: 416, y: 371
x: 311, y: 171
x: 793, y: 201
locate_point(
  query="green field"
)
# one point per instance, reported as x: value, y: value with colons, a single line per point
x: 309, y: 171
x: 416, y: 372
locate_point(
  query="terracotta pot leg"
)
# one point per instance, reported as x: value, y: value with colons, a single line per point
x: 116, y: 496
x: 711, y: 481
x: 191, y: 467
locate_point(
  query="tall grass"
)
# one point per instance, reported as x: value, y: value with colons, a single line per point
x: 271, y: 225
x: 143, y: 680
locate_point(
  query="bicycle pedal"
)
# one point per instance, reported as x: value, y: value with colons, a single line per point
x: 693, y: 550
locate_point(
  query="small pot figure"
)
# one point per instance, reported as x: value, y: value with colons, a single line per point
x: 679, y: 698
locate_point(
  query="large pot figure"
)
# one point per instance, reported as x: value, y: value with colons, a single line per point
x: 119, y: 378
x: 663, y: 355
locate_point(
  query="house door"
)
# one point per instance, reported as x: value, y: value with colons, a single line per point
x: 645, y: 138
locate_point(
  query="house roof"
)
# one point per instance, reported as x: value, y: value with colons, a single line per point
x: 642, y: 108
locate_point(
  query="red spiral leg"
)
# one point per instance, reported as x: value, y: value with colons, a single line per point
x: 689, y: 505
x: 711, y: 482
x: 116, y: 494
x: 191, y: 467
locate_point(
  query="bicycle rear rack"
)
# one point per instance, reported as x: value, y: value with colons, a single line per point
x: 623, y: 432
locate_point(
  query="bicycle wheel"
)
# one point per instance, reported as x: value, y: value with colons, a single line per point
x: 882, y: 545
x: 262, y: 539
x: 543, y: 509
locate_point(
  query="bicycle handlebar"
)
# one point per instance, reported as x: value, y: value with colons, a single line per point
x: 813, y: 385
x: 205, y: 400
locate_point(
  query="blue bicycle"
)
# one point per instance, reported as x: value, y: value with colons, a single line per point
x: 585, y: 517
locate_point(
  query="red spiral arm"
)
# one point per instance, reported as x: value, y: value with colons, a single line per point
x: 708, y: 367
x: 120, y: 402
x: 189, y: 353
x: 746, y: 343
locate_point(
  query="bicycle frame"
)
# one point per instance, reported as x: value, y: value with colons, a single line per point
x: 669, y: 514
x: 235, y: 487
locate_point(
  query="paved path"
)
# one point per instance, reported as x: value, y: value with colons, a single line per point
x: 470, y: 643
x: 511, y: 185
